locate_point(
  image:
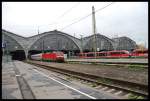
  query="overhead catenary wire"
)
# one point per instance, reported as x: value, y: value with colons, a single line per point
x: 61, y: 16
x: 86, y: 16
x: 54, y: 23
x: 69, y: 10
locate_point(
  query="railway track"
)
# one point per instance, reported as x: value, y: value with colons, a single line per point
x: 102, y: 82
x: 107, y: 62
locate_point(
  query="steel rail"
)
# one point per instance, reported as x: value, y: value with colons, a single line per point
x: 135, y: 63
x: 131, y: 87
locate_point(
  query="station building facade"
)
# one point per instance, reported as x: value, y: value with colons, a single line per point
x: 60, y: 41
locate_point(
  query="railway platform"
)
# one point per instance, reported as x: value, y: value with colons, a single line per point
x: 24, y: 81
x: 10, y: 87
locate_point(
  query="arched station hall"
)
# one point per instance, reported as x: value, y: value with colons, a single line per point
x: 22, y: 47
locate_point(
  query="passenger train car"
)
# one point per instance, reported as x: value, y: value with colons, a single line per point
x: 53, y: 56
x: 140, y: 53
x: 116, y: 54
x: 106, y: 54
x: 36, y: 57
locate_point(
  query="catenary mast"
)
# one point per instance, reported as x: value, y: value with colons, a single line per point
x: 94, y: 29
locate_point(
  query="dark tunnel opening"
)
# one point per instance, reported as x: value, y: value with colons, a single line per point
x: 18, y: 55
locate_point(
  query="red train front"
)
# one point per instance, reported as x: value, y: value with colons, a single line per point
x: 54, y: 56
x: 51, y: 56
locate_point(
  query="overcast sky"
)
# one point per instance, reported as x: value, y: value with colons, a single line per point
x: 119, y: 19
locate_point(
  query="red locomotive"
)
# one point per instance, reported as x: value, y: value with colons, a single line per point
x: 106, y: 54
x: 53, y: 56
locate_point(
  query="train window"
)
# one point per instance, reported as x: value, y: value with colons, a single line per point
x: 102, y: 54
x: 90, y: 55
x: 105, y: 54
x: 59, y: 53
x: 114, y: 53
x: 98, y: 54
x: 122, y: 53
x: 81, y: 54
x: 140, y: 51
x: 145, y: 52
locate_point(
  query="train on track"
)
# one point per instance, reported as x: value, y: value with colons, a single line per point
x: 115, y: 54
x: 140, y: 53
x: 50, y: 56
x: 59, y: 56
